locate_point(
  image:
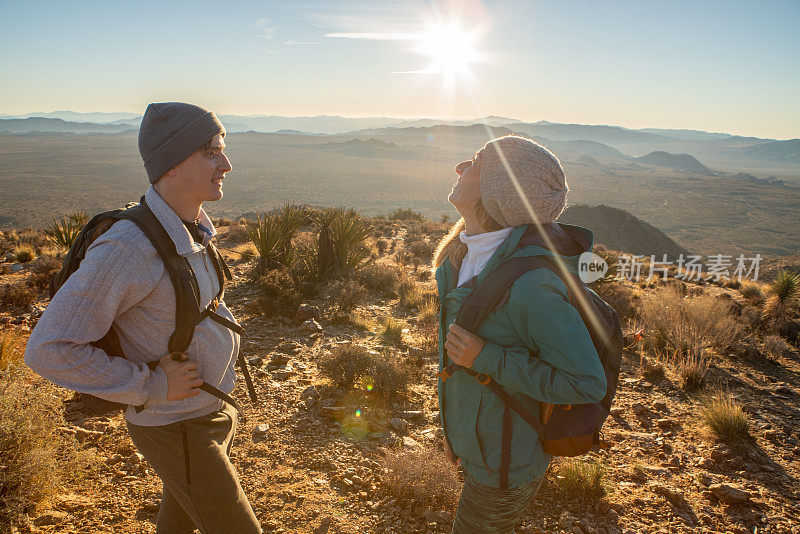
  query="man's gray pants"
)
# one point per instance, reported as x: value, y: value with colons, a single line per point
x: 201, y: 487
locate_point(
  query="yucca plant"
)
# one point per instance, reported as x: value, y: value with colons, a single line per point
x: 349, y: 233
x: 272, y: 234
x: 784, y: 289
x: 63, y: 231
x: 786, y: 286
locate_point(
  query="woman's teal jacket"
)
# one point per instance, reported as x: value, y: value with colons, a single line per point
x: 537, y: 348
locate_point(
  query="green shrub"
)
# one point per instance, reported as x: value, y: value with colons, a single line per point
x: 277, y: 293
x: 405, y: 214
x: 17, y: 295
x: 380, y: 277
x: 580, y: 479
x: 63, y: 231
x: 348, y: 366
x: 424, y: 477
x: 725, y: 417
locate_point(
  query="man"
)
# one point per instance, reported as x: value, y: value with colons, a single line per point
x: 184, y: 433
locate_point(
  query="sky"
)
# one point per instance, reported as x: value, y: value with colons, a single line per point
x: 724, y: 66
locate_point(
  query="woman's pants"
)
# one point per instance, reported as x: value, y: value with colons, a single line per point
x: 201, y: 486
x: 487, y: 510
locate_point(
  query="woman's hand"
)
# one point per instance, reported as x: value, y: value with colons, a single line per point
x: 463, y: 346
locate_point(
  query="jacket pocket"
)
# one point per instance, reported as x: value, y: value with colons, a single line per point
x: 186, y: 460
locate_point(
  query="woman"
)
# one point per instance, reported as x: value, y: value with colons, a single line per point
x: 535, y: 345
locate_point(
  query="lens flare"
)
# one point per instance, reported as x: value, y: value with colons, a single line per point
x: 358, y: 413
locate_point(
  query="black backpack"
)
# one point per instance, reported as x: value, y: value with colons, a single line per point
x: 565, y: 430
x: 188, y: 312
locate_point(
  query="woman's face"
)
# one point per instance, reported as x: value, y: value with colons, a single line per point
x: 467, y: 190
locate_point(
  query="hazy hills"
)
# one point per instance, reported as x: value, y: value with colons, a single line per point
x: 619, y: 230
x: 677, y: 162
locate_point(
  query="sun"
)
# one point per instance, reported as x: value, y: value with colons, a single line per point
x: 450, y: 47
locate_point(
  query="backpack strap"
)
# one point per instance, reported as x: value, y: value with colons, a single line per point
x: 188, y: 312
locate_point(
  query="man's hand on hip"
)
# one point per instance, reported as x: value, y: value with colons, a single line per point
x: 183, y: 379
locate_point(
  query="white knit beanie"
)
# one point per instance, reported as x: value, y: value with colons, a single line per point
x: 538, y: 172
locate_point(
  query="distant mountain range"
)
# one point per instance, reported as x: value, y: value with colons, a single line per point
x: 681, y: 150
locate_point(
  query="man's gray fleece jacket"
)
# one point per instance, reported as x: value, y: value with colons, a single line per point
x: 122, y: 282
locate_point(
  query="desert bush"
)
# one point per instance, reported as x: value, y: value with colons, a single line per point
x: 409, y: 292
x: 618, y: 295
x: 63, y: 231
x: 421, y: 249
x: 17, y: 295
x: 724, y: 416
x: 426, y: 477
x: 392, y: 331
x: 652, y: 369
x: 752, y: 292
x: 776, y: 347
x: 43, y: 269
x: 24, y: 254
x: 405, y: 214
x: 580, y: 479
x: 277, y: 293
x: 34, y: 456
x: 345, y: 295
x: 380, y: 277
x: 687, y: 326
x: 428, y: 327
x: 272, y: 234
x: 237, y: 233
x: 383, y: 374
x: 31, y: 237
x: 382, y: 245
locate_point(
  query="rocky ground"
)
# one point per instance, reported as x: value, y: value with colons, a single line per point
x: 312, y: 457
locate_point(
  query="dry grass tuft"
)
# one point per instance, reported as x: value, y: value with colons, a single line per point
x: 752, y: 292
x: 410, y: 294
x: 392, y: 332
x: 724, y: 416
x: 380, y: 277
x: 43, y: 269
x: 426, y: 477
x: 580, y: 479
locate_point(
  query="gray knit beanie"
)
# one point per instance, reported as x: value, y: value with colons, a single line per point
x: 538, y: 173
x: 171, y: 132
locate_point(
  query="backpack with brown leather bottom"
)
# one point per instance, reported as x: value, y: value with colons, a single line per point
x: 564, y: 430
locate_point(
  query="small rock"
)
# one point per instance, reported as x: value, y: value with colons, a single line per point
x: 729, y: 494
x: 255, y: 361
x: 312, y: 326
x: 260, y: 431
x: 667, y: 424
x: 639, y: 408
x: 51, y: 517
x: 398, y: 425
x: 17, y: 267
x: 306, y: 312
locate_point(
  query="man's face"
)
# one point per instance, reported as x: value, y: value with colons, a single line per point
x: 200, y: 175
